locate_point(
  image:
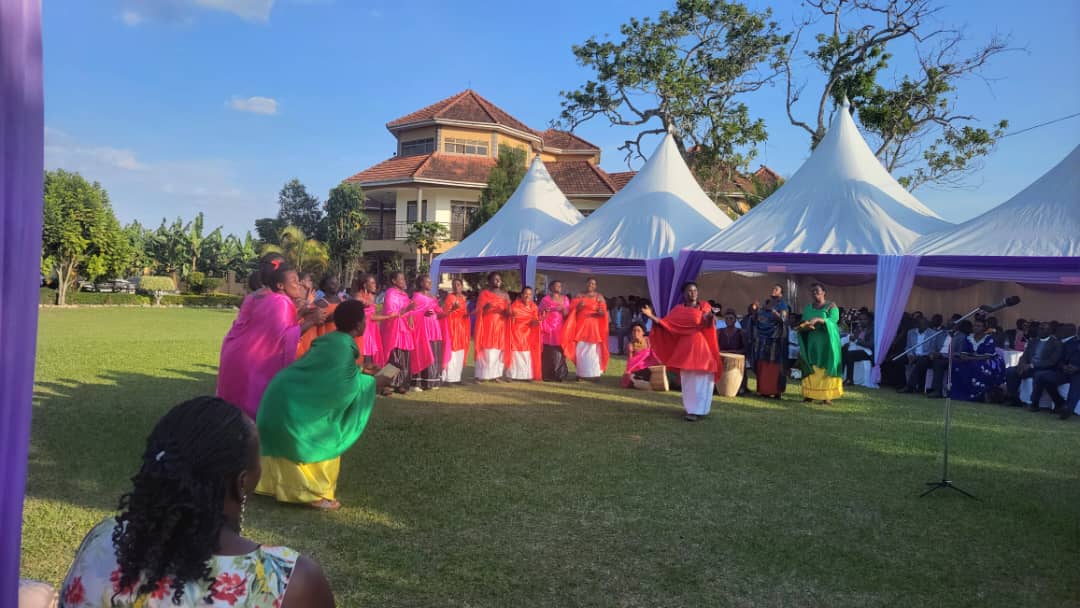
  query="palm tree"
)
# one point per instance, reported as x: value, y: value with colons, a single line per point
x: 306, y: 254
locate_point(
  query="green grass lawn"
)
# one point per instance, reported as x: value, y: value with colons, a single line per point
x: 529, y: 495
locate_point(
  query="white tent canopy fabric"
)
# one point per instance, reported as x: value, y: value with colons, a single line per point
x: 660, y: 211
x: 1043, y: 220
x: 841, y: 201
x: 536, y: 213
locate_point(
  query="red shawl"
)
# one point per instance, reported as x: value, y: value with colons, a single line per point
x: 491, y: 326
x: 586, y: 326
x: 681, y: 340
x: 524, y: 335
x: 457, y: 321
x: 424, y: 331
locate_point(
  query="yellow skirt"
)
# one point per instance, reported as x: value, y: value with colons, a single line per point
x: 822, y: 387
x: 289, y: 481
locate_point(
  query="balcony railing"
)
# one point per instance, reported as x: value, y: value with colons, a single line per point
x: 399, y: 231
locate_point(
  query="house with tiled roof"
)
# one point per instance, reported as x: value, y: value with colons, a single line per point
x: 443, y: 155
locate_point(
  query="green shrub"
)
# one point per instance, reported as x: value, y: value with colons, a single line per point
x: 210, y: 300
x: 156, y: 283
x: 48, y: 296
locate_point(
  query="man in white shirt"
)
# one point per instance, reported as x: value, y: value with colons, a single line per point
x: 922, y: 358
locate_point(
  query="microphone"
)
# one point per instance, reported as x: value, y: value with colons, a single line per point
x: 1007, y: 302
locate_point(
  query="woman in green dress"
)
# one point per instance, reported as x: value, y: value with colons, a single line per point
x: 819, y: 344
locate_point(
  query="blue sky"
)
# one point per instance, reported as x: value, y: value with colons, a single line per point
x: 180, y: 106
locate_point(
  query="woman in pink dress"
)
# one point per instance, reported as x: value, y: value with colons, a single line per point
x: 553, y: 310
x: 641, y: 358
x: 372, y: 354
x: 430, y: 334
x: 264, y: 337
x: 397, y: 331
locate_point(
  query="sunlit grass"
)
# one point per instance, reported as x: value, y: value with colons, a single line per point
x: 588, y: 495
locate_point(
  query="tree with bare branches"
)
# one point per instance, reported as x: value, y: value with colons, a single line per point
x: 684, y: 73
x: 915, y: 122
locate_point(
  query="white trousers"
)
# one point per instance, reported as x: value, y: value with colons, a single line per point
x: 520, y: 366
x: 455, y: 366
x: 489, y: 364
x: 587, y: 364
x: 697, y: 391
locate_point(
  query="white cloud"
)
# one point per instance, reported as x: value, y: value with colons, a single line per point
x: 131, y: 18
x: 183, y: 11
x: 251, y: 10
x: 148, y: 191
x: 256, y: 105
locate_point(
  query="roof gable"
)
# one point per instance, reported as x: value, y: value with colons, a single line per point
x: 466, y: 106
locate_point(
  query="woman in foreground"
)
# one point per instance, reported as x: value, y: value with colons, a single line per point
x: 177, y: 540
x: 819, y: 348
x: 523, y: 357
x: 312, y: 412
x: 585, y: 338
x: 492, y: 332
x: 685, y: 340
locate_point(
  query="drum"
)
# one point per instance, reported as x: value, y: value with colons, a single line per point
x: 731, y: 378
x: 658, y: 378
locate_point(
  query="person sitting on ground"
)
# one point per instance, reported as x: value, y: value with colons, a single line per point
x: 977, y: 368
x: 927, y: 343
x: 1068, y: 373
x: 639, y: 361
x: 178, y: 538
x: 1040, y: 356
x: 861, y: 340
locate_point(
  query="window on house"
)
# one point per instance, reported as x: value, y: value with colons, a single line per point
x: 418, y: 146
x: 457, y: 145
x: 411, y: 216
x: 461, y: 213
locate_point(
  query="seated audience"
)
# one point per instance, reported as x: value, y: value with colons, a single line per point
x: 177, y: 540
x: 977, y: 367
x: 1041, y: 357
x: 1066, y: 372
x: 955, y: 343
x: 926, y: 348
x: 860, y: 341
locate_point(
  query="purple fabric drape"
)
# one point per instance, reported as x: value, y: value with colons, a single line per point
x: 485, y: 264
x: 896, y: 274
x: 21, y: 167
x: 837, y: 280
x: 943, y: 283
x: 1045, y: 270
x: 687, y: 268
x: 660, y: 273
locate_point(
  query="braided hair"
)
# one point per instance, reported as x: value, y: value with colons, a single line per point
x: 170, y: 522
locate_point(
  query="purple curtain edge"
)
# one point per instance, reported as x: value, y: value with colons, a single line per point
x: 22, y: 126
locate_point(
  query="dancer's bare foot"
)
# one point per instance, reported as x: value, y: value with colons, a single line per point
x: 325, y: 504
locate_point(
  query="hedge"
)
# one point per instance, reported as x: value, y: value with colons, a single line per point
x: 48, y: 296
x: 211, y: 300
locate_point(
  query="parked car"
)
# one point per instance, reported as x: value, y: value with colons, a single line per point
x: 87, y: 286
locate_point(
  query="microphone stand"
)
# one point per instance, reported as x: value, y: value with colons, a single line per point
x: 945, y: 481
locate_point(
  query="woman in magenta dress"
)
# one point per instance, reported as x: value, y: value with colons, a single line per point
x: 372, y: 354
x: 430, y: 335
x: 264, y: 337
x: 553, y: 310
x: 641, y: 358
x: 397, y: 331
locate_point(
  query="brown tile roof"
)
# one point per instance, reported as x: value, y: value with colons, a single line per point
x: 580, y: 177
x: 621, y: 178
x: 466, y: 106
x: 434, y: 166
x: 767, y: 175
x: 564, y: 140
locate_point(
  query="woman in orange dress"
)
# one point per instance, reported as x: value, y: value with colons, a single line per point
x: 523, y: 357
x: 457, y: 323
x: 492, y: 330
x: 685, y: 340
x: 585, y: 337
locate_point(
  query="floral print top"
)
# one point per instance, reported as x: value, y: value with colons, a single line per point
x: 253, y: 580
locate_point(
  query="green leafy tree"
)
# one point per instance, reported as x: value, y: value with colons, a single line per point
x: 157, y: 286
x: 139, y: 239
x: 685, y: 73
x: 241, y: 255
x: 298, y: 208
x: 509, y: 170
x: 345, y: 221
x: 169, y: 248
x: 425, y: 237
x: 309, y: 255
x: 268, y: 229
x: 80, y: 234
x: 914, y: 122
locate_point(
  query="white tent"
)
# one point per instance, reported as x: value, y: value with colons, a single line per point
x: 640, y: 230
x: 1042, y: 220
x: 842, y: 200
x: 536, y: 213
x: 660, y: 211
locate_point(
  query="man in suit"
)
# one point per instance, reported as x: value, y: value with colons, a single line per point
x: 927, y: 349
x: 1067, y: 372
x: 1041, y: 357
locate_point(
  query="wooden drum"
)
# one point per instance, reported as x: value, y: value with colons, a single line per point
x: 732, y: 376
